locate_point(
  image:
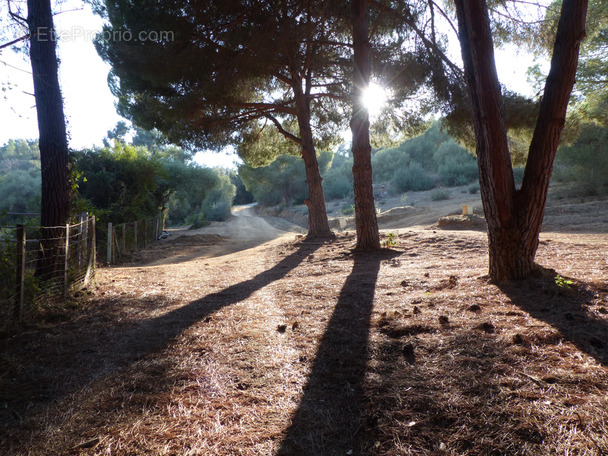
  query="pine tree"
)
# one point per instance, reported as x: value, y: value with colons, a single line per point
x: 51, y: 126
x: 514, y: 216
x: 228, y: 71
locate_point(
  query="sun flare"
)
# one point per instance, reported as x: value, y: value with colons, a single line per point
x: 374, y: 99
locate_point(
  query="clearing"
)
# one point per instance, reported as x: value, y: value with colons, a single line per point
x: 243, y: 339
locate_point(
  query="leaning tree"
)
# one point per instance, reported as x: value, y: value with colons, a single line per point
x: 514, y: 216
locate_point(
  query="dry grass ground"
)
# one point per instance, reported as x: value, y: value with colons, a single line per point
x: 300, y: 348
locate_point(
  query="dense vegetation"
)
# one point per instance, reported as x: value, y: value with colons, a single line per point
x: 427, y: 161
x: 127, y: 181
x: 121, y: 183
x: 19, y: 178
x: 584, y: 164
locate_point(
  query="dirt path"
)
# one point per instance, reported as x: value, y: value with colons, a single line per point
x: 243, y: 230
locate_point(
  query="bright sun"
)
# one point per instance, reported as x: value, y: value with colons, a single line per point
x: 374, y: 99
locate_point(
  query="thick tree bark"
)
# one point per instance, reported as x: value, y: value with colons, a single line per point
x: 318, y: 224
x: 366, y: 223
x: 51, y: 126
x: 514, y: 217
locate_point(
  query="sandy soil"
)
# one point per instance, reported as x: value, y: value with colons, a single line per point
x: 242, y: 338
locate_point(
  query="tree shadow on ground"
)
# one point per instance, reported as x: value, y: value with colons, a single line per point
x: 451, y: 393
x: 467, y: 386
x: 331, y: 413
x: 566, y: 306
x: 41, y: 367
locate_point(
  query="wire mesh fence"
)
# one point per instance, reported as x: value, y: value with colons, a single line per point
x: 38, y: 263
x: 41, y: 263
x: 117, y: 241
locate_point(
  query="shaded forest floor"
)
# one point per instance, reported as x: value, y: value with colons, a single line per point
x: 302, y: 348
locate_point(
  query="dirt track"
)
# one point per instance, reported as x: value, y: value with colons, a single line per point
x: 242, y: 231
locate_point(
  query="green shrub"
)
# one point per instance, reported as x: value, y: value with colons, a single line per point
x: 336, y: 185
x: 196, y: 221
x: 454, y: 173
x: 440, y: 194
x: 217, y: 203
x: 348, y: 210
x: 584, y: 164
x: 386, y: 161
x: 283, y: 180
x: 474, y: 189
x: 412, y: 178
x: 455, y: 165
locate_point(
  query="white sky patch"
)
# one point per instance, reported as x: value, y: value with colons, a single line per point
x: 210, y: 159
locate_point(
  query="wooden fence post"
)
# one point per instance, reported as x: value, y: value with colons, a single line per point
x: 145, y: 233
x: 135, y: 231
x: 110, y: 239
x: 84, y: 239
x: 90, y: 253
x: 19, y: 297
x: 66, y: 261
x: 124, y: 238
x: 94, y: 240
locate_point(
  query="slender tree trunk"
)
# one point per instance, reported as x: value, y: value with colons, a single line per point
x: 51, y: 126
x: 514, y: 217
x: 318, y: 224
x: 366, y: 223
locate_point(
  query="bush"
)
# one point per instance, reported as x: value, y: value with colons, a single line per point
x: 386, y: 161
x: 216, y: 210
x: 455, y: 165
x: 217, y: 203
x: 440, y: 194
x: 283, y: 180
x: 348, y: 210
x: 454, y: 173
x: 196, y: 221
x: 412, y: 178
x: 336, y: 185
x: 474, y: 189
x: 585, y: 163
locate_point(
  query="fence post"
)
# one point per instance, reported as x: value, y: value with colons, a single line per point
x: 19, y: 297
x: 145, y: 233
x: 124, y: 238
x: 135, y: 230
x: 92, y: 251
x: 109, y: 250
x: 83, y: 238
x: 66, y: 260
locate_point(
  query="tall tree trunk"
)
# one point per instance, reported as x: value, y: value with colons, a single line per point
x: 366, y: 223
x: 52, y: 130
x: 514, y: 217
x: 318, y: 224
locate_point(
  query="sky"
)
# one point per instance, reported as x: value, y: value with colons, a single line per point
x: 89, y: 104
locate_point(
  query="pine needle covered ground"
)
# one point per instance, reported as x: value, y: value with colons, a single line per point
x: 304, y: 348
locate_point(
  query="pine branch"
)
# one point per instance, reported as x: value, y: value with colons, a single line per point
x: 427, y: 43
x: 281, y: 130
x: 15, y: 41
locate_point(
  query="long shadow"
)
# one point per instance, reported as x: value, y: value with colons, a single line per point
x: 567, y: 308
x: 48, y: 365
x: 331, y: 413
